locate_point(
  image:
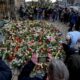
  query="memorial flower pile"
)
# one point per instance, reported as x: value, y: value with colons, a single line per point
x: 22, y: 39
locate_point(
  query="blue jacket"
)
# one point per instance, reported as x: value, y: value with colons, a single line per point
x: 5, y: 72
x: 75, y: 36
x: 25, y: 73
x: 73, y: 18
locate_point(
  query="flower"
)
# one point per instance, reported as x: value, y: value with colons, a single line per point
x: 16, y: 48
x: 25, y: 38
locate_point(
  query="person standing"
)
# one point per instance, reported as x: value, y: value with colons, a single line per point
x: 77, y: 26
x: 73, y: 20
x: 73, y: 64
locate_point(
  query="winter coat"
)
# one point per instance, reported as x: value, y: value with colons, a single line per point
x: 5, y: 72
x: 25, y: 73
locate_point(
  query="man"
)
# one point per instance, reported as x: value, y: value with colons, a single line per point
x: 77, y: 26
x: 56, y: 70
x: 73, y: 20
x: 71, y: 45
x: 72, y: 38
x: 73, y: 64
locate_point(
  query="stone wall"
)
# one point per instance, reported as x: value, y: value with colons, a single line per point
x: 73, y: 1
x: 18, y: 3
x: 77, y: 1
x: 9, y: 7
x: 4, y: 8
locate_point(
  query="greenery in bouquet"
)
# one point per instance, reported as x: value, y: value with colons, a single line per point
x: 25, y: 38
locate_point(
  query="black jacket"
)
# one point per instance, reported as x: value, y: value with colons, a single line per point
x: 5, y: 71
x: 25, y: 73
x: 73, y: 64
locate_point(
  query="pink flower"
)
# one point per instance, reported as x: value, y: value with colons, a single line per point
x: 49, y: 50
x: 51, y: 38
x: 31, y: 43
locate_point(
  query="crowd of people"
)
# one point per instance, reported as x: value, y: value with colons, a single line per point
x: 66, y: 15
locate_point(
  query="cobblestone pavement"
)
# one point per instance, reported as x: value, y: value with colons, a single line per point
x: 61, y: 26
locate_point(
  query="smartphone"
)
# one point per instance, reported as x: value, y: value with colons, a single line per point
x: 42, y: 59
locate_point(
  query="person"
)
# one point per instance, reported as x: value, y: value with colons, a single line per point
x: 71, y: 46
x: 77, y: 26
x: 5, y: 71
x: 72, y: 38
x: 73, y: 65
x: 66, y: 15
x: 73, y: 20
x: 22, y: 12
x: 56, y: 70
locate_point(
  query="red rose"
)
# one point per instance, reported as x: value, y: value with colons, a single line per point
x: 32, y: 41
x: 29, y: 49
x: 16, y: 48
x: 10, y: 58
x: 18, y: 39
